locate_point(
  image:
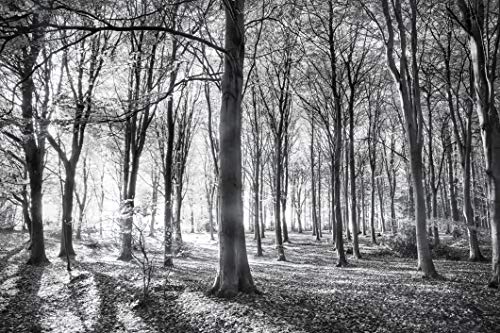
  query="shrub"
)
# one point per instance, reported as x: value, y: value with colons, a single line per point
x: 446, y: 252
x: 404, y: 243
x: 456, y: 233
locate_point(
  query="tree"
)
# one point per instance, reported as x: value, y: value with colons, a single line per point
x: 186, y: 124
x: 461, y: 126
x: 82, y: 86
x: 233, y: 275
x: 484, y: 57
x: 406, y: 77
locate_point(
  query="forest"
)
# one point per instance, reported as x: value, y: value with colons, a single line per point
x: 249, y: 166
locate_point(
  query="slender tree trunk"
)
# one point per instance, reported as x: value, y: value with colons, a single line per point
x: 256, y: 209
x: 380, y: 186
x: 262, y: 210
x: 363, y: 206
x: 154, y: 203
x: 192, y: 220
x: 67, y: 214
x: 178, y: 216
x: 277, y: 200
x: 210, y: 204
x: 372, y: 206
x: 167, y: 180
x: 319, y: 224
x: 352, y: 179
x: 314, y: 216
x: 346, y: 216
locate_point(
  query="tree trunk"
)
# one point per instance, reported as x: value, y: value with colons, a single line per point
x: 409, y: 90
x: 210, y: 205
x: 178, y: 216
x: 256, y: 208
x: 352, y: 180
x: 167, y: 179
x: 277, y: 199
x: 34, y: 154
x: 319, y: 221
x: 380, y: 186
x: 314, y: 216
x: 154, y: 203
x: 192, y: 221
x: 372, y: 206
x: 489, y: 122
x: 234, y: 274
x: 363, y: 206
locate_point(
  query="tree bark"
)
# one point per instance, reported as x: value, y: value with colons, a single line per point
x: 34, y: 148
x: 234, y: 274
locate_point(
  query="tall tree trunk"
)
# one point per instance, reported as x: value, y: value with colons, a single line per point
x: 319, y: 224
x: 210, y: 200
x: 66, y: 247
x: 167, y: 179
x: 380, y: 186
x: 234, y: 274
x: 277, y: 199
x: 154, y: 202
x: 363, y: 206
x: 372, y: 206
x: 256, y: 207
x: 262, y: 210
x: 34, y: 150
x: 352, y: 181
x: 178, y: 216
x: 346, y: 216
x: 314, y: 216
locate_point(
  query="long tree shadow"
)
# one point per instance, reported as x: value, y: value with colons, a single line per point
x: 160, y: 312
x: 4, y: 260
x: 107, y: 320
x: 22, y: 311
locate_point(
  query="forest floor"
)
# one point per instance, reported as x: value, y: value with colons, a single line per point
x: 379, y: 293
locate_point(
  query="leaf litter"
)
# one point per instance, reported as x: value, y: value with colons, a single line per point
x: 379, y: 293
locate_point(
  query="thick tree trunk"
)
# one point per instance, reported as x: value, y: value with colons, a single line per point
x: 26, y: 209
x: 35, y: 171
x: 34, y: 155
x: 234, y: 274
